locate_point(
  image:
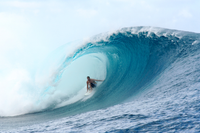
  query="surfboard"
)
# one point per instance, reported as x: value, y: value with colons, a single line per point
x: 88, y: 93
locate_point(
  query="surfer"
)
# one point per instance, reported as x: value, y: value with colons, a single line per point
x: 91, y: 82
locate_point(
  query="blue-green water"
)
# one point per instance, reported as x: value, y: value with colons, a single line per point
x: 151, y: 84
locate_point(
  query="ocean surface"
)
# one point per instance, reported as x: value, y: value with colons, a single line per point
x: 151, y: 84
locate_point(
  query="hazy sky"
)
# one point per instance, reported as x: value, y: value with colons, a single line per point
x: 36, y: 27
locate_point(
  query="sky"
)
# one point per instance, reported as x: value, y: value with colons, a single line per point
x: 31, y: 29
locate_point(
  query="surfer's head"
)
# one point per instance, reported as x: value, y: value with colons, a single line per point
x: 88, y: 77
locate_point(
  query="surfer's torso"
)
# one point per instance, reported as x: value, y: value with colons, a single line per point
x: 92, y: 83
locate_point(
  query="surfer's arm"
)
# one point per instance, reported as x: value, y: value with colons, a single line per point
x: 97, y: 80
x: 87, y: 86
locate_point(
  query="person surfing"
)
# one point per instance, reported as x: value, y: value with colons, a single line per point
x: 92, y: 83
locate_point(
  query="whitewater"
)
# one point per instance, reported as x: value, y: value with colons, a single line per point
x: 151, y: 84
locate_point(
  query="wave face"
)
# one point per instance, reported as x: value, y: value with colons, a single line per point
x: 130, y: 61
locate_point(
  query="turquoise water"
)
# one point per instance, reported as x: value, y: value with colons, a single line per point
x: 151, y: 83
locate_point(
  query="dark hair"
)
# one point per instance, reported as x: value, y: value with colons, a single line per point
x: 88, y: 76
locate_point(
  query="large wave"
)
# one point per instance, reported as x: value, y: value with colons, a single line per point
x: 129, y: 60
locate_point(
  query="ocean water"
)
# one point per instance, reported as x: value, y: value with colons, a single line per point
x: 151, y: 84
